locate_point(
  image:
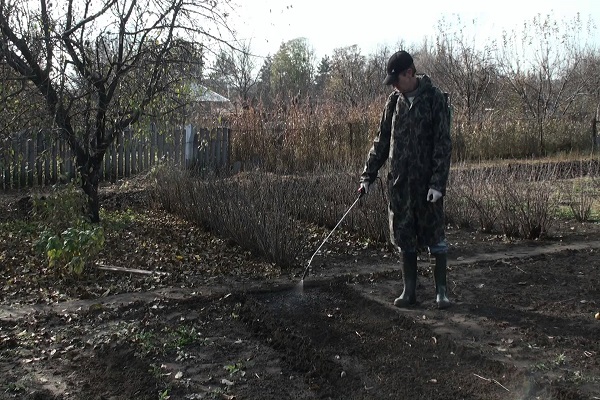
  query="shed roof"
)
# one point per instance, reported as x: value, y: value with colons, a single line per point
x: 204, y: 94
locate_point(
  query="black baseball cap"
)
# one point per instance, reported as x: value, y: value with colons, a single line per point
x: 398, y: 63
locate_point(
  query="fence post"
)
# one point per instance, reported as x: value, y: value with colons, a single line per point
x: 106, y: 165
x: 120, y: 139
x: 125, y: 147
x: 5, y: 162
x: 226, y: 147
x: 213, y: 149
x: 202, y: 146
x: 217, y: 156
x: 189, y: 146
x: 153, y: 143
x: 46, y: 159
x: 134, y: 145
x: 40, y: 157
x: 31, y: 156
x: 68, y: 161
x: 145, y: 151
x: 142, y: 151
x: 22, y: 162
x: 55, y: 144
x: 176, y: 146
x: 160, y: 141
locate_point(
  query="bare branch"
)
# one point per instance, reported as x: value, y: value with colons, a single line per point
x: 70, y: 29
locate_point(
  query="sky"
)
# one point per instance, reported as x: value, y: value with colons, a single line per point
x: 331, y: 24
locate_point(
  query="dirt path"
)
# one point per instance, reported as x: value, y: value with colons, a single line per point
x: 338, y: 266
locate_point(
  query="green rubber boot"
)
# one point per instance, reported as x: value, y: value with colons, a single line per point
x: 439, y: 274
x: 409, y: 276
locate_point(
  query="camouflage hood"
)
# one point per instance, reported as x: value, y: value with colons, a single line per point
x: 424, y: 84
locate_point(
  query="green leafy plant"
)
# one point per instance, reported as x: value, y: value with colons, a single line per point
x: 164, y: 395
x: 15, y: 388
x: 181, y: 337
x: 560, y: 359
x: 217, y: 393
x: 67, y: 239
x: 118, y: 220
x: 70, y: 250
x: 541, y: 366
x: 147, y: 341
x: 234, y: 368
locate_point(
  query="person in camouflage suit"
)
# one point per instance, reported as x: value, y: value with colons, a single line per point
x: 414, y: 133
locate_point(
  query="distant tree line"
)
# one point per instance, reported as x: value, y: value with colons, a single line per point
x: 540, y: 84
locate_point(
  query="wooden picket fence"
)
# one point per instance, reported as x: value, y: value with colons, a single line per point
x: 40, y: 159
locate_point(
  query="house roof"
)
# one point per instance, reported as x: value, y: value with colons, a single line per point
x: 204, y: 94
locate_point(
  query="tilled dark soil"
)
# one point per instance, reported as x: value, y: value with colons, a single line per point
x: 536, y: 314
x: 350, y: 347
x: 519, y: 329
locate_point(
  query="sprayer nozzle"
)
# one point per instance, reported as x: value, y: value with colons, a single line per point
x: 305, y: 272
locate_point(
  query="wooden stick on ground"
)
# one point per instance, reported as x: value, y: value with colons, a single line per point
x: 492, y: 380
x: 129, y: 270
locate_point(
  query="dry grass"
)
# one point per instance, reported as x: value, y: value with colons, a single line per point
x: 309, y: 138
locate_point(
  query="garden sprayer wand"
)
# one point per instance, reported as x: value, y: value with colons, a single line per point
x: 361, y: 193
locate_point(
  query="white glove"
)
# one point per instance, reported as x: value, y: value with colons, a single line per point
x: 433, y: 195
x: 364, y: 188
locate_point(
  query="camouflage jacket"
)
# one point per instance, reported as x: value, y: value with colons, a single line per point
x: 416, y: 139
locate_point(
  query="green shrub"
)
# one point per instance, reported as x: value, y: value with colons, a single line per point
x: 67, y: 240
x: 70, y: 250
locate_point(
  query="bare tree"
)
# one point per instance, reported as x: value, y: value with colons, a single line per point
x: 14, y: 113
x: 586, y: 78
x: 235, y: 72
x: 355, y: 79
x: 375, y: 72
x: 464, y: 69
x: 538, y: 63
x: 103, y: 65
x: 322, y: 76
x: 263, y: 86
x: 347, y: 76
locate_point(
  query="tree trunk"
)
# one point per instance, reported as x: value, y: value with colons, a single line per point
x: 594, y: 134
x: 541, y: 137
x: 595, y: 130
x: 90, y: 176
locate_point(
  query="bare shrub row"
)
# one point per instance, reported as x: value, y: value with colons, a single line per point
x: 521, y: 200
x: 502, y: 136
x: 272, y: 215
x: 267, y: 213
